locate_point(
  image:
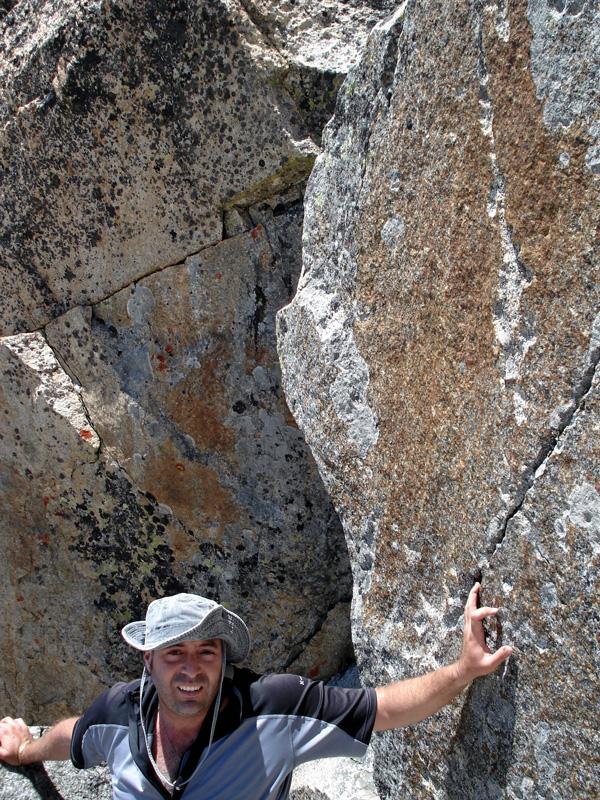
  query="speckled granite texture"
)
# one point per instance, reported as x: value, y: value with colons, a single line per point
x: 153, y: 163
x: 440, y: 356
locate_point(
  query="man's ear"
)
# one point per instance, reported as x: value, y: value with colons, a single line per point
x: 148, y: 662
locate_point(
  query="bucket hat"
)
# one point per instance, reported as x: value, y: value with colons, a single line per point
x: 175, y: 619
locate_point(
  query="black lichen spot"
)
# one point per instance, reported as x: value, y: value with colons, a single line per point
x: 120, y: 540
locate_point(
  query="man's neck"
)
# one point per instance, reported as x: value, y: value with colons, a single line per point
x: 181, y: 733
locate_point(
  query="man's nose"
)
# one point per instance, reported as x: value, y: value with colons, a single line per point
x: 191, y: 665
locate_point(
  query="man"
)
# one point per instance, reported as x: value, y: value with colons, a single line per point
x: 195, y: 727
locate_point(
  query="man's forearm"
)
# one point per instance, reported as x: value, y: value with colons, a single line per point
x: 54, y: 745
x: 410, y: 701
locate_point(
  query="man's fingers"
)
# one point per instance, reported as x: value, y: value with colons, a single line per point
x: 495, y: 659
x: 472, y: 598
x: 484, y: 611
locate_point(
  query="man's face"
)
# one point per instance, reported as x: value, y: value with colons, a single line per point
x: 186, y: 676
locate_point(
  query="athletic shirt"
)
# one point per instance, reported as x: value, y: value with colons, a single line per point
x: 269, y: 725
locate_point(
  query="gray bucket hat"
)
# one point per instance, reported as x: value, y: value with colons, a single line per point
x: 170, y: 620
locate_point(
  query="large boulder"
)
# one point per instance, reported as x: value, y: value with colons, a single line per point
x: 127, y: 127
x: 148, y: 450
x: 440, y: 356
x: 154, y: 157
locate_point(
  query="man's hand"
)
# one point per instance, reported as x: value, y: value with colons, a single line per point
x: 18, y: 747
x: 412, y: 700
x: 14, y: 740
x: 476, y: 658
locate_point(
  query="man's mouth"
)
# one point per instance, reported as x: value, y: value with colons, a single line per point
x: 190, y: 689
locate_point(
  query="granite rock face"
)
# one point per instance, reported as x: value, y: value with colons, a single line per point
x: 440, y: 356
x: 148, y: 450
x: 335, y: 778
x: 153, y: 160
x: 132, y: 117
x: 129, y: 118
x: 54, y: 780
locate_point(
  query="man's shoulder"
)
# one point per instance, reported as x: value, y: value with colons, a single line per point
x: 108, y: 712
x: 112, y: 706
x: 295, y: 695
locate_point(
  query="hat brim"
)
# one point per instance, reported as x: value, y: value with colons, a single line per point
x: 218, y: 624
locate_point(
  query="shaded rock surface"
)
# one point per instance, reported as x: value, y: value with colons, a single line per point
x: 148, y: 449
x: 153, y: 160
x: 440, y: 356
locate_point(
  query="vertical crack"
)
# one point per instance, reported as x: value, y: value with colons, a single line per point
x: 78, y: 389
x: 538, y: 466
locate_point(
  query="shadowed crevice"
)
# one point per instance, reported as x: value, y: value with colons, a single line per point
x: 481, y: 750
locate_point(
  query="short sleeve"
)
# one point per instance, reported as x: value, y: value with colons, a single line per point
x: 88, y: 744
x: 326, y: 720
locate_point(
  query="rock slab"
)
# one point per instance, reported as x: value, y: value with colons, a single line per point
x: 153, y: 160
x: 440, y: 356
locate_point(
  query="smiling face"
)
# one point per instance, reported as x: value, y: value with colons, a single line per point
x: 186, y: 677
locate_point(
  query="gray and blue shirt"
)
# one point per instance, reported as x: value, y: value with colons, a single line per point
x: 268, y: 726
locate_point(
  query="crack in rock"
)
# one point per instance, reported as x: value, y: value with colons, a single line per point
x: 566, y: 419
x: 56, y: 386
x: 298, y: 648
x: 77, y: 386
x: 236, y: 221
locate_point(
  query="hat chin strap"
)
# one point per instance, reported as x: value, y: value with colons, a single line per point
x: 177, y: 784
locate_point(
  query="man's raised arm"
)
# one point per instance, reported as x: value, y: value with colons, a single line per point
x: 412, y: 700
x: 18, y: 747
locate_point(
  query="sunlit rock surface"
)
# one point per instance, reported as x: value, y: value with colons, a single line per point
x: 440, y: 357
x: 126, y: 127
